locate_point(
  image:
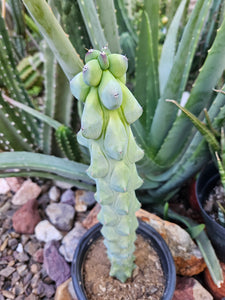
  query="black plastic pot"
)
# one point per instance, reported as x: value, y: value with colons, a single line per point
x: 148, y: 233
x: 206, y: 181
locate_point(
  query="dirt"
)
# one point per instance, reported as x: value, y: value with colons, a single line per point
x: 147, y: 281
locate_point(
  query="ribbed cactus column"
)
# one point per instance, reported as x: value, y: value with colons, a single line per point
x: 109, y: 109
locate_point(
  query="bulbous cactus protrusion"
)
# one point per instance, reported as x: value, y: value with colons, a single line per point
x: 92, y: 73
x: 109, y: 109
x: 92, y: 117
x: 79, y: 88
x: 110, y: 91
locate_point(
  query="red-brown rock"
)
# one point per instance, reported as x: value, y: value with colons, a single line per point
x: 217, y: 292
x: 190, y: 289
x: 26, y: 218
x: 187, y: 256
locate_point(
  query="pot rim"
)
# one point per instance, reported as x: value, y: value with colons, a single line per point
x: 146, y: 231
x: 201, y: 191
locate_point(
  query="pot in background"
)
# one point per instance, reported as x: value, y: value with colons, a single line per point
x: 206, y: 181
x: 148, y: 233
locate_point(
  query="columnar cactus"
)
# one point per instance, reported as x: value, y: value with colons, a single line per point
x: 109, y: 109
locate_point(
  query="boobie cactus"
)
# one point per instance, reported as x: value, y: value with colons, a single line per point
x: 109, y: 109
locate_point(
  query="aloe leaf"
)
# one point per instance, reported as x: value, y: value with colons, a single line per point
x: 194, y: 231
x: 123, y: 20
x: 200, y: 97
x: 44, y: 163
x: 147, y: 94
x: 169, y: 47
x: 93, y: 26
x: 152, y: 10
x: 107, y: 17
x: 55, y: 36
x: 204, y: 245
x: 165, y: 115
x: 209, y: 136
x: 46, y: 175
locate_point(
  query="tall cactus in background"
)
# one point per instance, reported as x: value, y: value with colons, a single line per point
x: 109, y: 109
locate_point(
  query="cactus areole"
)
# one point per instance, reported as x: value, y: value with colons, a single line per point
x: 109, y: 109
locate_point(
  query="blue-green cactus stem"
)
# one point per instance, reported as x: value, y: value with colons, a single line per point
x: 109, y: 109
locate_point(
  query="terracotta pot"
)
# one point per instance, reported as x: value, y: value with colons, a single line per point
x: 148, y: 233
x: 206, y: 181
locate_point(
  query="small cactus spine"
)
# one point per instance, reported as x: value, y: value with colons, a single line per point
x: 105, y: 130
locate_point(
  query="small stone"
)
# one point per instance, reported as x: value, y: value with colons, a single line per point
x: 34, y: 281
x: 61, y: 215
x: 21, y: 257
x: 47, y: 290
x: 85, y: 197
x: 186, y: 254
x: 4, y: 244
x: 4, y: 187
x: 70, y: 241
x: 191, y: 289
x: 12, y: 243
x: 55, y: 265
x: 63, y: 185
x: 68, y: 197
x: 31, y: 297
x: 83, y: 200
x: 54, y: 194
x: 14, y: 278
x: 31, y: 247
x: 34, y: 268
x: 5, y: 207
x: 39, y: 256
x: 27, y: 278
x: 14, y: 183
x: 28, y: 190
x: 27, y: 217
x: 63, y: 291
x: 22, y: 270
x: 6, y: 272
x: 91, y: 219
x: 19, y: 248
x: 45, y: 231
x: 8, y: 294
